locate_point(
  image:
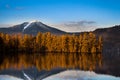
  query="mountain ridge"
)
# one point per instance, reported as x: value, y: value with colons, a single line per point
x: 31, y: 28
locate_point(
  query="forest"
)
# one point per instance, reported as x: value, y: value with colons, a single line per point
x: 47, y: 42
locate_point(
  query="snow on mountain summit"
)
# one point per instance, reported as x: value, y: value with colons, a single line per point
x: 35, y: 22
x: 29, y: 23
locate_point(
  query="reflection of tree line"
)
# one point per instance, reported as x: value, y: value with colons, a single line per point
x: 49, y: 61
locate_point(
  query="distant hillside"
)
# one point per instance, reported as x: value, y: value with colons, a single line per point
x: 111, y: 39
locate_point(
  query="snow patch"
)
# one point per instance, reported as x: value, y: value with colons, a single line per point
x: 29, y: 23
x: 38, y: 23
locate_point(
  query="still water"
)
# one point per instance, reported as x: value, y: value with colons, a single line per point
x: 46, y: 61
x: 49, y: 61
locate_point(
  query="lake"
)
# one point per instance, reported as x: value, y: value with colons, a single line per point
x: 99, y: 63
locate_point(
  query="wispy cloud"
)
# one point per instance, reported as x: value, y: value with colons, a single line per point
x: 5, y: 25
x: 16, y: 8
x: 76, y: 26
x: 7, y: 6
x: 19, y: 8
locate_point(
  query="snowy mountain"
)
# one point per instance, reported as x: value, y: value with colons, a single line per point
x: 32, y: 27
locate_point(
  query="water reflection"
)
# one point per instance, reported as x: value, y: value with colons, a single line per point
x: 49, y: 61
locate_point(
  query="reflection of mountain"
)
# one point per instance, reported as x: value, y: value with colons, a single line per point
x: 80, y: 75
x: 28, y: 74
x: 8, y: 77
x: 61, y: 74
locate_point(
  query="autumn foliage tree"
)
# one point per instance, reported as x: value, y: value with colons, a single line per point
x: 47, y: 42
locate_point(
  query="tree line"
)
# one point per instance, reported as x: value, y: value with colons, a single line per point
x: 47, y: 42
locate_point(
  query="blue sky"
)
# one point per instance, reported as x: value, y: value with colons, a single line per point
x: 103, y: 12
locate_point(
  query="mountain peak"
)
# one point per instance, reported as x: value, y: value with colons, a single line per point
x: 33, y: 21
x: 29, y: 23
